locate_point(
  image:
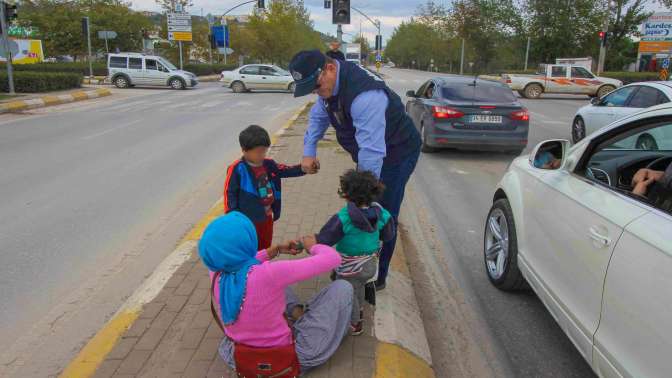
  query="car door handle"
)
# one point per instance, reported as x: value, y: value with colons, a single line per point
x: 242, y: 77
x: 263, y: 77
x: 601, y: 240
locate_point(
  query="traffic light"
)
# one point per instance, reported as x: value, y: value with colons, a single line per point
x: 603, y: 38
x: 10, y: 12
x: 213, y: 41
x: 379, y: 42
x: 327, y: 4
x: 260, y: 4
x: 341, y: 12
x: 85, y: 26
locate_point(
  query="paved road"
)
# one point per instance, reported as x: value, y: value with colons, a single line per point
x: 456, y: 188
x: 95, y: 194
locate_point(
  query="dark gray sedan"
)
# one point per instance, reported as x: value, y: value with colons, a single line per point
x: 468, y: 113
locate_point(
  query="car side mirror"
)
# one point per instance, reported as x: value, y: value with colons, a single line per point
x: 596, y: 101
x: 550, y: 155
x: 411, y: 94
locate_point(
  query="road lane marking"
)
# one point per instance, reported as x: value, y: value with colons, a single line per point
x: 123, y: 126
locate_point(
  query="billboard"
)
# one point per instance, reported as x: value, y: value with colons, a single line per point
x: 30, y: 51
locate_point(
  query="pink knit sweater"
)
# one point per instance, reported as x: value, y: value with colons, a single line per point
x: 261, y: 322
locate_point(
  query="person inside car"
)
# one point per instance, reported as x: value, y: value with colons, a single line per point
x: 645, y: 177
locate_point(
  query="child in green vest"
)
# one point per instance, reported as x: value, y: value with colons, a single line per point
x: 357, y: 231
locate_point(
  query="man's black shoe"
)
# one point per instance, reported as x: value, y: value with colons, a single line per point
x: 380, y: 286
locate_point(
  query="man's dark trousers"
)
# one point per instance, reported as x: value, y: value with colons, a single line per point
x: 395, y: 178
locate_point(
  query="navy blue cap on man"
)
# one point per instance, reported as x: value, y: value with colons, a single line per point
x: 306, y: 67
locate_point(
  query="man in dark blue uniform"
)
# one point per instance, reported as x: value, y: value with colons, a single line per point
x: 370, y: 122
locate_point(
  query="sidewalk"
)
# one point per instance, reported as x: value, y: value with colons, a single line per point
x: 174, y: 334
x: 40, y: 100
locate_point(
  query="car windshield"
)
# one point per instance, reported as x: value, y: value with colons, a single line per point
x: 485, y: 93
x: 169, y: 65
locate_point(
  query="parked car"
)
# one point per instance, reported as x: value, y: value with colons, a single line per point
x: 597, y: 255
x: 464, y: 112
x: 131, y: 69
x: 258, y: 76
x: 618, y: 104
x: 560, y: 78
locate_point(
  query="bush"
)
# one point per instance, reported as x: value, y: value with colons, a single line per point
x: 100, y: 68
x: 208, y: 69
x: 31, y: 82
x: 631, y: 77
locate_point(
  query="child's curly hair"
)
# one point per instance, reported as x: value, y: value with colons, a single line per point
x: 361, y: 188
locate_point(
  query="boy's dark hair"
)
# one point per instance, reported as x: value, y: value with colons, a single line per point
x: 360, y: 187
x: 254, y: 136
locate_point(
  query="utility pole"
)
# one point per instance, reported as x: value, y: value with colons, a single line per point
x: 527, y: 52
x: 603, y: 44
x: 339, y: 33
x: 462, y: 59
x: 88, y: 42
x: 5, y: 43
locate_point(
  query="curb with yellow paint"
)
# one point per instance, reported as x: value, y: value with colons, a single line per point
x: 48, y: 100
x: 94, y: 352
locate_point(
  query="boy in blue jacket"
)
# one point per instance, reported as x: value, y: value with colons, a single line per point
x: 253, y: 183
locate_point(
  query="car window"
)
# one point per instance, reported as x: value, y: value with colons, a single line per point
x: 151, y: 64
x: 118, y: 61
x: 250, y: 70
x: 581, y: 73
x: 135, y: 63
x: 617, y: 161
x: 645, y: 97
x: 618, y: 97
x: 421, y: 91
x: 662, y: 98
x: 267, y: 71
x: 485, y: 93
x: 558, y: 71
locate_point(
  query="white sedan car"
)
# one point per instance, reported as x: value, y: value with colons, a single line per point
x: 623, y: 101
x: 598, y: 256
x: 258, y: 76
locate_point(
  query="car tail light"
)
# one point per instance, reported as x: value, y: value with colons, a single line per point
x: 444, y: 112
x: 506, y: 79
x: 488, y: 107
x: 520, y: 115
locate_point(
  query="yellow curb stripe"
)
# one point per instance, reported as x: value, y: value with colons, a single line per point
x: 393, y: 361
x: 103, y: 92
x: 51, y: 100
x: 79, y: 96
x: 16, y: 105
x: 195, y: 234
x: 93, y: 354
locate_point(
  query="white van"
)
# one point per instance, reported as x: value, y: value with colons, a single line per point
x: 130, y: 69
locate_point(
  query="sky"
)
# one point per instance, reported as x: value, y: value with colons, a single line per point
x: 391, y: 13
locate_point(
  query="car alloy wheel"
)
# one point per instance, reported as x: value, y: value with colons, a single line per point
x: 238, y: 87
x: 578, y: 130
x: 496, y: 243
x: 176, y: 84
x: 533, y: 91
x: 423, y: 134
x: 121, y: 82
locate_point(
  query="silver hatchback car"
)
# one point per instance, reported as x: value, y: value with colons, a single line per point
x: 130, y: 69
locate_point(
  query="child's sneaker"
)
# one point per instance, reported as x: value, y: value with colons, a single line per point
x: 357, y: 329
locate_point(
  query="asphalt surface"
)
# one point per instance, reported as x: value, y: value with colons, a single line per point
x: 95, y: 194
x: 456, y: 188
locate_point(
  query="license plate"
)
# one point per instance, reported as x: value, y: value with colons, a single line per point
x: 482, y: 118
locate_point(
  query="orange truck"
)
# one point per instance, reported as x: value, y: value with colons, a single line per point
x: 560, y: 78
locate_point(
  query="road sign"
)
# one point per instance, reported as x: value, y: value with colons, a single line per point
x: 180, y: 36
x: 107, y: 34
x: 666, y: 63
x: 221, y: 35
x: 379, y: 58
x: 225, y: 50
x: 179, y: 26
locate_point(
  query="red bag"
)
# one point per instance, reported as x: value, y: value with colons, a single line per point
x: 253, y: 362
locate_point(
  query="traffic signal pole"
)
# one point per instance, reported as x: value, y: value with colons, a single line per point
x: 5, y: 43
x: 603, y: 43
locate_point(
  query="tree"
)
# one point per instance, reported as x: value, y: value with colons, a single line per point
x: 276, y: 35
x: 413, y: 41
x: 624, y: 21
x: 59, y: 24
x: 169, y: 5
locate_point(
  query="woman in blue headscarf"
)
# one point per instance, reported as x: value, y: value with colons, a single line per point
x: 254, y: 296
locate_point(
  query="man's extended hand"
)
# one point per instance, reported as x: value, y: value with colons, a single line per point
x: 310, y: 165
